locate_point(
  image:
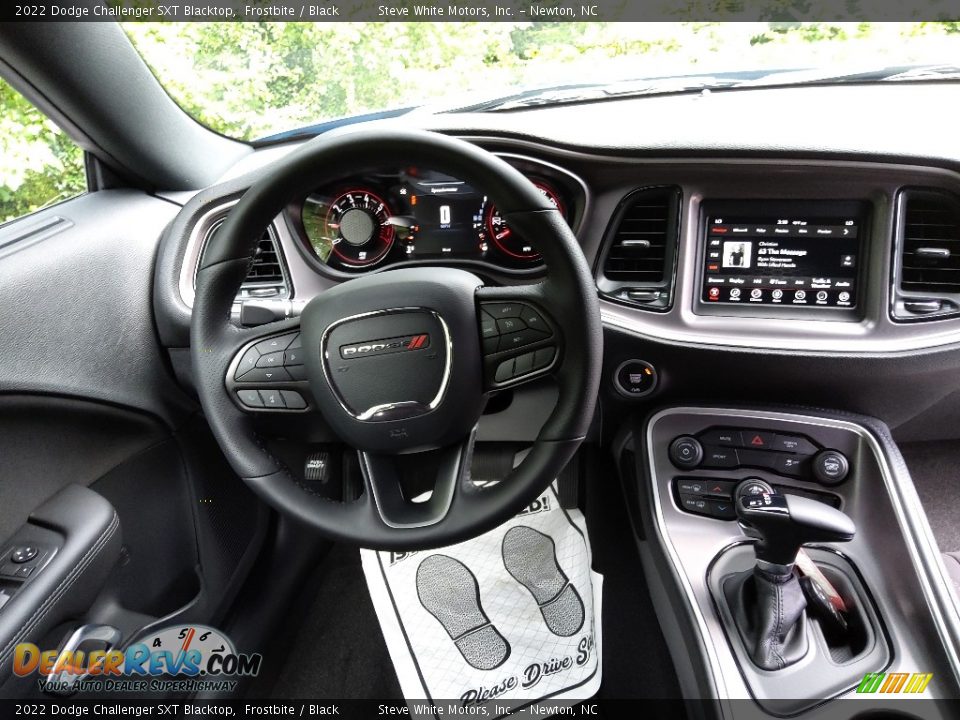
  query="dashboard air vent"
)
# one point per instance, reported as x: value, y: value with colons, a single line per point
x: 267, y: 277
x: 266, y: 266
x: 928, y: 260
x: 639, y: 251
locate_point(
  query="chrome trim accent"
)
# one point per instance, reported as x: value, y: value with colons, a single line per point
x: 367, y: 415
x: 915, y: 530
x: 202, y: 230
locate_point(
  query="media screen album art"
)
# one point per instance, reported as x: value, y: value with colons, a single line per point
x: 500, y: 621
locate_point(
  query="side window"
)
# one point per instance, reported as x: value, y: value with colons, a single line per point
x: 39, y: 164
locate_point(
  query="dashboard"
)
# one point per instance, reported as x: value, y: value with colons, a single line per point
x: 412, y: 215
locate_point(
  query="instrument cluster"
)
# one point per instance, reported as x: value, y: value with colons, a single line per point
x: 415, y: 215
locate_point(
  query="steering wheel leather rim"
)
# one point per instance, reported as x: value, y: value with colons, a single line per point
x: 568, y: 292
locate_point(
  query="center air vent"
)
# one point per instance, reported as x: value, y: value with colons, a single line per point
x: 928, y: 255
x: 638, y: 257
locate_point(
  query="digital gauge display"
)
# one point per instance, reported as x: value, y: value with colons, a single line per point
x: 413, y: 215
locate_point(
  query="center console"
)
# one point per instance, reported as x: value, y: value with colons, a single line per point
x: 722, y: 501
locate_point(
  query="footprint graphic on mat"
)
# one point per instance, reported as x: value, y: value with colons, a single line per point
x: 449, y: 592
x: 531, y: 558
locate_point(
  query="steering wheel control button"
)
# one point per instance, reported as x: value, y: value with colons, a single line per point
x: 533, y: 320
x: 831, y: 467
x: 293, y: 400
x: 685, y: 452
x: 23, y: 554
x: 293, y: 357
x: 272, y: 399
x: 247, y: 362
x: 504, y: 371
x: 503, y: 310
x: 250, y: 398
x: 523, y: 364
x: 544, y: 357
x: 267, y: 375
x: 519, y: 339
x: 297, y: 372
x: 509, y: 325
x: 272, y: 345
x: 274, y: 359
x: 635, y: 378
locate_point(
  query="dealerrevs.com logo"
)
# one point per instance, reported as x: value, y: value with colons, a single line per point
x: 178, y: 658
x: 367, y: 348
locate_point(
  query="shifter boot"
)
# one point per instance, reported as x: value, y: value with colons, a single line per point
x: 768, y: 609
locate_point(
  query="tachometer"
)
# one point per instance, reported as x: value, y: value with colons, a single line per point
x: 508, y: 241
x: 352, y: 227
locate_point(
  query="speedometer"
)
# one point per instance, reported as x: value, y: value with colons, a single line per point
x: 352, y: 227
x: 506, y: 239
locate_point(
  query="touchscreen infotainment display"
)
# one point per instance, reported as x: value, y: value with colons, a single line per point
x: 796, y: 259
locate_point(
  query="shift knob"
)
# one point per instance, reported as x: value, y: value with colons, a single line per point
x: 784, y: 523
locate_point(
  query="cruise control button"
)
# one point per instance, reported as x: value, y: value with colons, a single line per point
x: 293, y: 399
x: 247, y: 363
x: 272, y: 399
x: 274, y: 344
x: 534, y: 320
x: 250, y: 398
x: 543, y: 357
x: 794, y: 444
x: 523, y: 364
x: 490, y: 344
x: 297, y: 342
x: 274, y: 359
x: 510, y: 325
x: 504, y: 371
x: 267, y: 375
x: 293, y: 356
x: 721, y: 437
x: 488, y: 328
x: 716, y: 457
x: 519, y: 339
x: 503, y: 310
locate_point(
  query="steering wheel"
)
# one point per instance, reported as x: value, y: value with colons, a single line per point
x: 401, y: 362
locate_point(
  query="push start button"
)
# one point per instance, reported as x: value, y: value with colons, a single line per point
x: 635, y: 378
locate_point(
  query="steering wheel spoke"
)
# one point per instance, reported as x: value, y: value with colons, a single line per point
x: 521, y: 341
x: 417, y: 489
x: 267, y: 372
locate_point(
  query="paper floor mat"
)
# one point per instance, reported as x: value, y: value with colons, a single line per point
x: 504, y: 620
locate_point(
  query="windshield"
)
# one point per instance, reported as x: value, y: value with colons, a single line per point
x: 251, y: 80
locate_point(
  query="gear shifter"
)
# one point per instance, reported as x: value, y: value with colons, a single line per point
x: 768, y: 604
x: 784, y: 523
